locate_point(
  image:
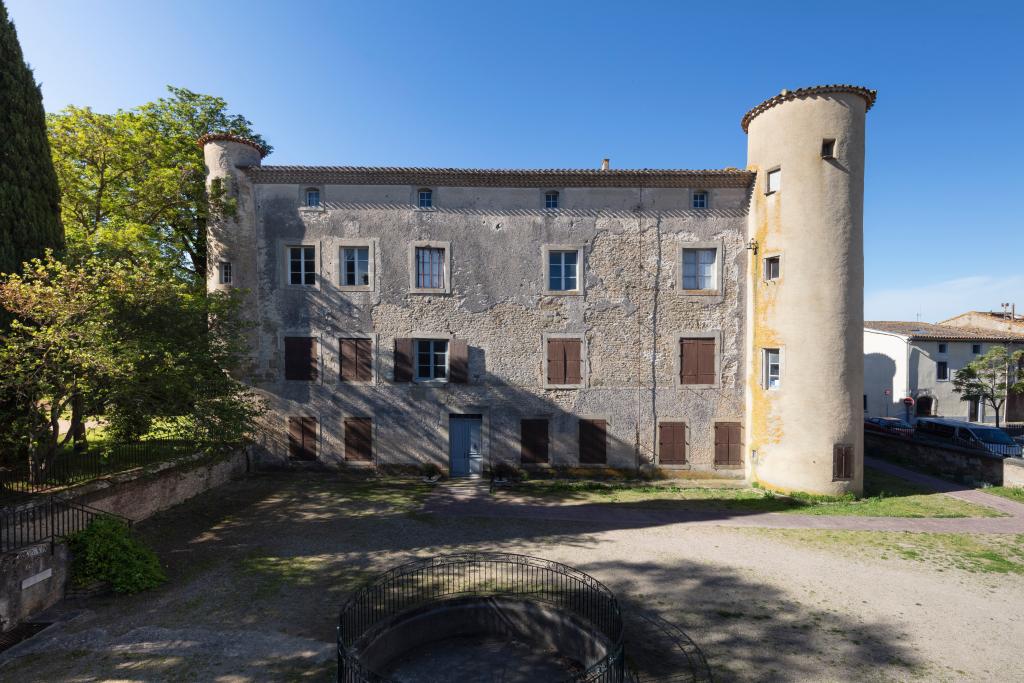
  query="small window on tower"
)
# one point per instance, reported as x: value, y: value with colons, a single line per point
x: 773, y: 183
x: 828, y: 148
x: 771, y: 268
x: 225, y: 272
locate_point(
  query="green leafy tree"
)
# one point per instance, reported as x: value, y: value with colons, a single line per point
x: 134, y: 182
x: 991, y: 378
x: 29, y: 199
x: 117, y: 337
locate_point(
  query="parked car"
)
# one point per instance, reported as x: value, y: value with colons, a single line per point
x: 889, y: 424
x: 971, y: 435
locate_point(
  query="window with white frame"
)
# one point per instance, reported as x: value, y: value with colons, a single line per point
x: 773, y: 183
x: 225, y: 272
x: 700, y: 268
x: 425, y: 198
x: 430, y: 268
x: 563, y: 267
x: 355, y: 266
x: 302, y: 265
x: 700, y: 199
x: 551, y: 200
x: 771, y: 368
x: 312, y: 197
x: 771, y: 268
x: 431, y: 359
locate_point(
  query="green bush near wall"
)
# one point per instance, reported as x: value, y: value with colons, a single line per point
x: 106, y: 552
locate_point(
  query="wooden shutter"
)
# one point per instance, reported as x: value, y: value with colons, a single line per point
x: 534, y: 441
x: 300, y: 358
x: 593, y: 442
x: 458, y: 361
x: 556, y: 361
x: 842, y: 461
x: 356, y: 360
x: 728, y: 444
x: 573, y: 361
x: 359, y: 439
x: 302, y: 438
x: 672, y: 443
x: 403, y: 360
x: 697, y: 361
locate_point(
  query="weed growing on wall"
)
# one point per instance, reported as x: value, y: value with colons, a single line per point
x: 106, y: 552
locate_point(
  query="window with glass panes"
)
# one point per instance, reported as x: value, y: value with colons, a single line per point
x: 700, y: 200
x: 772, y: 369
x: 355, y: 266
x: 312, y: 197
x: 429, y: 268
x: 302, y: 265
x: 431, y: 359
x: 426, y: 199
x: 562, y: 270
x: 551, y: 200
x: 699, y: 268
x: 225, y: 272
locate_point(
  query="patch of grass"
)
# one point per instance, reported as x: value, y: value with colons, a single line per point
x: 1015, y: 493
x: 884, y: 496
x: 975, y: 553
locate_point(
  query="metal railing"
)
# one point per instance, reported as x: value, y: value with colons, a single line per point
x: 1014, y: 450
x: 76, y: 467
x: 45, y: 521
x: 436, y: 579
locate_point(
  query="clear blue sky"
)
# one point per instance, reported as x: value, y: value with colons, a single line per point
x: 560, y: 84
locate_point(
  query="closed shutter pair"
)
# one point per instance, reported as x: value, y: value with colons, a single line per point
x: 458, y: 360
x: 697, y: 361
x: 564, y: 361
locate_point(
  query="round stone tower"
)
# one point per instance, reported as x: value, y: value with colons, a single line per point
x: 805, y: 315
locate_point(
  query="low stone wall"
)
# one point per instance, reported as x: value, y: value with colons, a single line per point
x: 1013, y: 472
x: 945, y: 460
x: 34, y: 578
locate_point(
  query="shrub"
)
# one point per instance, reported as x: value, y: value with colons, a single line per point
x: 106, y: 552
x: 430, y: 469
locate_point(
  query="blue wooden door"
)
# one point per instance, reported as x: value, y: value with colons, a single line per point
x: 465, y: 447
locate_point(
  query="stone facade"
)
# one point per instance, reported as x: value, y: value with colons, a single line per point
x: 630, y: 310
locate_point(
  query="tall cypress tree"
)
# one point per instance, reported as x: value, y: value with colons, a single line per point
x: 29, y: 195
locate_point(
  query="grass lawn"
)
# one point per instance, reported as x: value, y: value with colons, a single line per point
x: 976, y: 553
x: 1012, y: 492
x: 884, y: 496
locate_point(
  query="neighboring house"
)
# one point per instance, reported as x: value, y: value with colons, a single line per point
x: 578, y: 318
x: 1003, y: 321
x: 919, y: 361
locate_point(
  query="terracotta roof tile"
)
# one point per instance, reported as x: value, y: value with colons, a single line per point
x: 915, y: 330
x: 210, y: 137
x: 500, y: 177
x: 787, y: 95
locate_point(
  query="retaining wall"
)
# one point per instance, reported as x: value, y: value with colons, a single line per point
x: 945, y: 460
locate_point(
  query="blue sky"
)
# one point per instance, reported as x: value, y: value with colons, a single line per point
x: 563, y: 84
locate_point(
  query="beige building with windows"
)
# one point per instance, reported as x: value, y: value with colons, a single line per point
x: 563, y: 318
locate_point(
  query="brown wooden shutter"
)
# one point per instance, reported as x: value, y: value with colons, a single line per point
x: 359, y: 439
x: 534, y: 441
x: 349, y: 358
x: 300, y: 358
x: 842, y: 461
x: 302, y: 438
x: 458, y: 361
x: 573, y: 361
x: 593, y: 442
x: 705, y: 361
x: 728, y: 444
x: 672, y: 443
x: 403, y: 360
x: 688, y: 361
x: 356, y: 360
x: 556, y: 361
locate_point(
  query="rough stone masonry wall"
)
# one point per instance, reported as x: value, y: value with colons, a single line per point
x: 632, y: 306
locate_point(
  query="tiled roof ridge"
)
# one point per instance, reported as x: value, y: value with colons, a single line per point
x: 787, y: 95
x: 212, y: 137
x: 922, y: 330
x: 401, y: 175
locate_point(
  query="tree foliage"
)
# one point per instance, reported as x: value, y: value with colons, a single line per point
x: 120, y: 336
x: 107, y: 552
x: 29, y: 200
x: 991, y: 378
x: 134, y: 184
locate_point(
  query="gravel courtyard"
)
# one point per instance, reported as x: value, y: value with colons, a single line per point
x: 258, y: 569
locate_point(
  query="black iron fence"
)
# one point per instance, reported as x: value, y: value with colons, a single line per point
x: 44, y: 520
x: 75, y: 467
x: 436, y: 579
x: 951, y: 435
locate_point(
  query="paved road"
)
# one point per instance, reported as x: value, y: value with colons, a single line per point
x: 471, y: 499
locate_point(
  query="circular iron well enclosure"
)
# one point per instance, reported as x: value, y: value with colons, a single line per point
x: 544, y: 601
